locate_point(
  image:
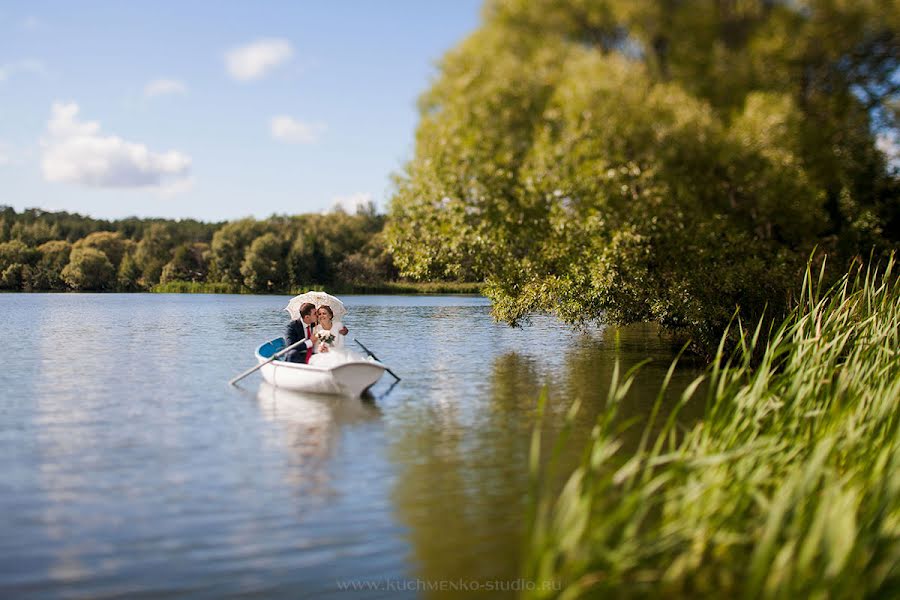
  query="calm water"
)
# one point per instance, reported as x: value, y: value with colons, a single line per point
x: 131, y: 468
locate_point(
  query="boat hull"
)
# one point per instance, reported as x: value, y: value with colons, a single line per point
x: 347, y: 379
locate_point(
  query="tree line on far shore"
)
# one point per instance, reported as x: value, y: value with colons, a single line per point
x: 58, y: 251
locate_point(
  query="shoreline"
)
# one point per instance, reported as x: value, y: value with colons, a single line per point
x: 386, y: 289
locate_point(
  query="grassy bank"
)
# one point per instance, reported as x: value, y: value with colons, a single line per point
x: 195, y: 287
x: 789, y: 487
x: 387, y: 287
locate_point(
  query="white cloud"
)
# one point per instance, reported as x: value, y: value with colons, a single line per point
x: 255, y: 60
x: 350, y: 204
x: 75, y: 152
x: 289, y: 129
x: 163, y: 87
x: 27, y: 66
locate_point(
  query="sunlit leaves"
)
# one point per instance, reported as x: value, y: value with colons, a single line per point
x: 639, y: 160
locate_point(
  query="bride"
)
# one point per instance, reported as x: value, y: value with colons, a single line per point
x: 330, y: 350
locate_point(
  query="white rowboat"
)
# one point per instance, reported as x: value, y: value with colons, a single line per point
x: 347, y: 379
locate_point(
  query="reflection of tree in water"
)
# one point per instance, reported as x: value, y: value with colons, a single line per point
x: 462, y: 476
x: 589, y: 371
x: 311, y: 425
x: 463, y: 482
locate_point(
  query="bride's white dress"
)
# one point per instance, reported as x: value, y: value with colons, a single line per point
x: 337, y: 354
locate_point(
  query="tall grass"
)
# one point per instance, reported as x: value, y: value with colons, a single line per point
x: 196, y: 287
x: 788, y: 487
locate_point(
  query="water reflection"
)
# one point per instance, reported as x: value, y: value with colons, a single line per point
x: 473, y: 472
x: 132, y: 469
x: 312, y: 427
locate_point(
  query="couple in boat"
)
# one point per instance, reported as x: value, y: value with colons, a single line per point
x: 322, y: 336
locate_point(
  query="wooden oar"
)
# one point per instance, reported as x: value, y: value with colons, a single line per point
x: 369, y: 352
x: 260, y: 365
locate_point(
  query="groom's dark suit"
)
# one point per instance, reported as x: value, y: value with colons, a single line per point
x: 296, y: 331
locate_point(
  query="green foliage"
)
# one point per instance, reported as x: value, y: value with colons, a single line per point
x: 641, y: 160
x: 789, y: 486
x: 370, y: 265
x: 128, y: 278
x: 188, y: 264
x: 55, y: 254
x: 322, y: 242
x: 112, y: 244
x: 89, y: 269
x: 47, y: 274
x: 337, y: 249
x: 34, y: 233
x: 153, y: 252
x: 263, y: 266
x: 229, y: 244
x: 15, y: 276
x: 14, y: 252
x: 196, y: 287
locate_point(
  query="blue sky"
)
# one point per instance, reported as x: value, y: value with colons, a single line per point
x: 213, y: 110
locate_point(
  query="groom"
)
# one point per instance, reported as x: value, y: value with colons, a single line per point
x: 302, y: 329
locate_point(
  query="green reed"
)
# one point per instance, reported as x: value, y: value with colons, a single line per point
x: 788, y: 487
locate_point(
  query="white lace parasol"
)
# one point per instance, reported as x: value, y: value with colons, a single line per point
x: 319, y: 299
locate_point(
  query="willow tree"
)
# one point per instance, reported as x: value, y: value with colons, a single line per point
x: 651, y: 160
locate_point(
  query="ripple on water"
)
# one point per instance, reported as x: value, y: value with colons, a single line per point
x: 132, y: 469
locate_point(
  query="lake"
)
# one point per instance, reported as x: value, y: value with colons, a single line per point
x: 130, y: 467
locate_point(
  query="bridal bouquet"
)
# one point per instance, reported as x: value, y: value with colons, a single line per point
x: 325, y: 337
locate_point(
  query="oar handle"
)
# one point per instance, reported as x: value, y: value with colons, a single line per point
x: 262, y: 364
x: 372, y: 354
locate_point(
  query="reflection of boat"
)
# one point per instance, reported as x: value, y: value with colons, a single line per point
x: 348, y: 379
x: 311, y: 424
x: 305, y: 409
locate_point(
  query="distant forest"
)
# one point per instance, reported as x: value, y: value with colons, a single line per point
x: 56, y: 251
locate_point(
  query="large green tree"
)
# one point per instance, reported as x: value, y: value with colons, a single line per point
x: 47, y: 274
x: 229, y: 244
x: 89, y: 269
x: 651, y: 160
x: 153, y: 252
x: 188, y: 264
x: 263, y: 267
x: 112, y: 244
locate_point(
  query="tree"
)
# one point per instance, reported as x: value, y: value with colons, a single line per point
x: 15, y: 277
x: 112, y: 244
x: 301, y: 262
x: 263, y: 267
x: 370, y: 265
x: 229, y: 245
x: 16, y: 265
x: 47, y: 274
x: 641, y: 160
x: 89, y: 270
x: 188, y: 264
x: 33, y: 233
x: 153, y: 252
x: 322, y: 242
x: 128, y: 278
x: 16, y: 252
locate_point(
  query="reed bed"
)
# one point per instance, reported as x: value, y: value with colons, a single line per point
x: 788, y: 487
